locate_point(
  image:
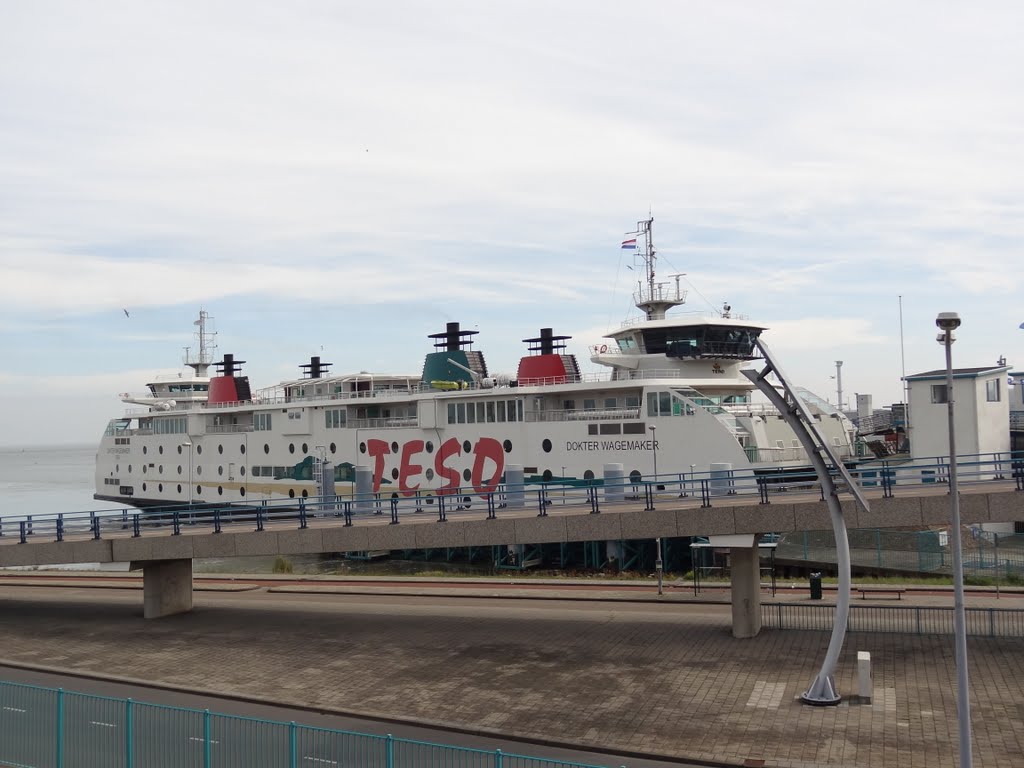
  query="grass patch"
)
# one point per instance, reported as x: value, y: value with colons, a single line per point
x: 283, y: 565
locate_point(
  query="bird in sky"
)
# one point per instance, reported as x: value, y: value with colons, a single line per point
x: 126, y: 313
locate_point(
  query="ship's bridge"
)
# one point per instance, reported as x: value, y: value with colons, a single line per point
x: 701, y: 337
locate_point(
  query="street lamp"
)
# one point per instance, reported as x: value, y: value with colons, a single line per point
x: 654, y: 447
x: 188, y: 445
x: 948, y: 322
x: 658, y: 564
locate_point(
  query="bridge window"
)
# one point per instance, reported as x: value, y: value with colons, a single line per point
x: 470, y: 413
x: 261, y: 421
x: 501, y: 411
x: 992, y: 391
x: 939, y: 393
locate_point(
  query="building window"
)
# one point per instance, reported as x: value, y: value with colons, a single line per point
x: 939, y: 394
x: 992, y: 391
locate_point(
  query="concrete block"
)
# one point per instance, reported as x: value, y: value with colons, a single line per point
x: 298, y: 542
x: 812, y: 516
x: 606, y: 526
x: 171, y: 547
x: 542, y: 530
x: 343, y: 539
x: 49, y: 552
x: 974, y: 508
x: 17, y: 554
x: 891, y: 513
x: 699, y: 521
x: 935, y: 510
x: 649, y: 525
x: 125, y: 550
x: 1006, y: 506
x: 166, y: 588
x: 394, y: 536
x: 435, y: 535
x: 92, y: 551
x: 851, y: 511
x: 214, y: 545
x: 764, y: 518
x: 481, y: 533
x: 256, y: 543
x: 746, y: 591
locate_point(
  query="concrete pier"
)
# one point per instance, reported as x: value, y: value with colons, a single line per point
x: 166, y: 587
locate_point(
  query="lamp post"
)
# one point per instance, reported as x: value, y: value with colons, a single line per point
x: 188, y: 445
x: 658, y: 564
x: 654, y: 448
x: 948, y: 322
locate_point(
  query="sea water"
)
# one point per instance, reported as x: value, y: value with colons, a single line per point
x: 48, y: 480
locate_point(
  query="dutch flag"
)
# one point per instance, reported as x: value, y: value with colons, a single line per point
x: 629, y: 243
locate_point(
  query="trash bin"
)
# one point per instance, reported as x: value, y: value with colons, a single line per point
x: 815, y: 586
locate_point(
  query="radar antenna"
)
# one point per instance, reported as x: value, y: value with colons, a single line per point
x: 207, y: 344
x: 652, y: 297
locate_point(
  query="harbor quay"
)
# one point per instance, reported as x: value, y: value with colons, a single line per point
x: 638, y: 675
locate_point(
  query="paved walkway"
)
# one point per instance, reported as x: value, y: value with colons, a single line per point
x: 644, y: 675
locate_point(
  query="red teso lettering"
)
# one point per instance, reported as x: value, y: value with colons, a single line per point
x: 409, y: 470
x: 377, y: 450
x: 487, y: 449
x: 450, y: 447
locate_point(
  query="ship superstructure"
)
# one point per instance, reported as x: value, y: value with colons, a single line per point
x: 672, y: 393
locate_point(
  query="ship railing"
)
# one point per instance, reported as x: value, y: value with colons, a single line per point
x: 750, y: 409
x: 393, y: 422
x: 228, y: 429
x: 583, y: 415
x: 1017, y: 420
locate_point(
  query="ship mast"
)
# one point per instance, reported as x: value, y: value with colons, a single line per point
x: 207, y: 343
x: 654, y: 298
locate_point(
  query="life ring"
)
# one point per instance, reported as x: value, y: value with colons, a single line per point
x: 604, y: 348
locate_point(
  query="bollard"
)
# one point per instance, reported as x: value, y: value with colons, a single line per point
x: 865, y: 686
x: 490, y: 506
x: 394, y: 511
x: 346, y: 508
x: 216, y: 521
x: 21, y: 525
x: 60, y: 527
x: 135, y: 526
x: 176, y: 523
x: 259, y: 518
x: 442, y: 516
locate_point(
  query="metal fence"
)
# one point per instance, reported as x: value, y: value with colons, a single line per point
x: 986, y: 554
x: 53, y: 728
x: 909, y: 620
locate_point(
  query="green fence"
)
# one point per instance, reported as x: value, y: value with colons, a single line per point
x: 53, y: 728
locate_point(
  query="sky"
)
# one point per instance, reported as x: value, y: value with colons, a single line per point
x: 343, y: 178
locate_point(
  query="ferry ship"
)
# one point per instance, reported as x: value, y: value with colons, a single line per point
x: 672, y: 402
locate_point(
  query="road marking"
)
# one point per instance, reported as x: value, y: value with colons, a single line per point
x: 105, y: 725
x: 766, y: 695
x: 15, y: 709
x: 200, y: 738
x: 320, y: 760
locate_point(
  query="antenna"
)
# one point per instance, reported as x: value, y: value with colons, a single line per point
x: 652, y: 298
x: 207, y: 343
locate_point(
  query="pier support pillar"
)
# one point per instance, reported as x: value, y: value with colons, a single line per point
x: 166, y: 587
x: 745, y: 567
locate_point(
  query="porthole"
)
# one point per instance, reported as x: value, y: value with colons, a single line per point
x: 143, y: 469
x: 429, y: 446
x: 305, y: 448
x: 143, y: 486
x: 220, y: 490
x: 241, y: 470
x: 291, y: 447
x: 179, y: 487
x: 334, y: 448
x: 199, y: 490
x: 145, y: 450
x: 160, y: 450
x: 241, y: 448
x: 467, y: 446
x: 507, y: 445
x: 199, y: 450
x: 160, y: 469
x: 179, y: 469
x: 266, y: 448
x: 199, y: 470
x: 362, y: 447
x: 179, y: 450
x: 305, y: 493
x: 467, y: 475
x: 241, y: 491
x: 588, y: 475
x: 547, y: 476
x: 160, y: 487
x: 291, y: 493
x: 129, y: 469
x: 220, y: 449
x: 394, y: 473
x: 429, y: 473
x: 220, y: 470
x: 117, y: 467
x: 546, y: 445
x: 394, y: 447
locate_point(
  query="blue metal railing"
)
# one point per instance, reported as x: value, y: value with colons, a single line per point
x: 583, y: 496
x: 53, y: 727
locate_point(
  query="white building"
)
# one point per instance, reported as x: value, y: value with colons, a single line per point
x: 982, y: 412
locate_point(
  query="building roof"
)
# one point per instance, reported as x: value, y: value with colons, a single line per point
x: 958, y: 373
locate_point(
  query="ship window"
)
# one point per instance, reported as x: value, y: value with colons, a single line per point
x: 490, y: 411
x: 481, y: 417
x: 634, y: 428
x: 992, y: 391
x: 261, y: 421
x: 470, y: 413
x: 794, y: 443
x: 461, y: 407
x: 611, y: 429
x: 610, y: 403
x: 520, y: 410
x: 590, y: 404
x: 652, y: 403
x: 632, y: 401
x: 569, y: 405
x: 501, y: 411
x: 591, y: 429
x: 512, y: 411
x: 451, y: 413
